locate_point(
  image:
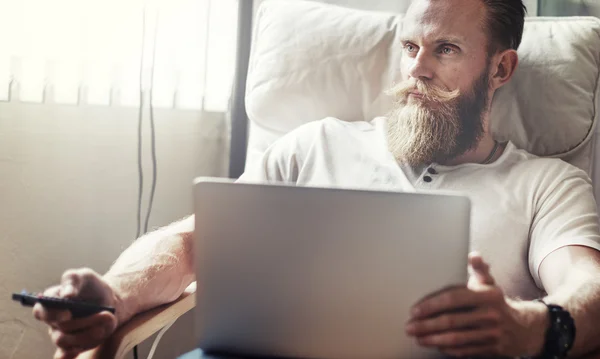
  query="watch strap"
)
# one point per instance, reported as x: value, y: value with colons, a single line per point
x: 560, y: 334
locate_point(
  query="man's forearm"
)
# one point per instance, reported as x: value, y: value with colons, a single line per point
x: 154, y: 270
x: 581, y: 297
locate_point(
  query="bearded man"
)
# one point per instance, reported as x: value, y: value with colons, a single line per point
x: 534, y: 220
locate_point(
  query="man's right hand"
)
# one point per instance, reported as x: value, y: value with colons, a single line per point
x: 74, y: 336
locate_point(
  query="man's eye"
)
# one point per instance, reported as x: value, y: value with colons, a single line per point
x: 409, y: 48
x: 447, y: 50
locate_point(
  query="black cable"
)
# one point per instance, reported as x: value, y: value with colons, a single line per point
x: 140, y: 173
x: 139, y: 147
x: 152, y: 139
x: 152, y: 132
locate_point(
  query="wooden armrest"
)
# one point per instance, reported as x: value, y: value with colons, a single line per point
x: 142, y: 326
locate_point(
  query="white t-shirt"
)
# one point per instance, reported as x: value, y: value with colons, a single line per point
x: 523, y: 206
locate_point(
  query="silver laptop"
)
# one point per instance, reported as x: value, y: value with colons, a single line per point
x: 298, y: 272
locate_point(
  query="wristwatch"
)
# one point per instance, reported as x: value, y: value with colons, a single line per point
x: 560, y: 334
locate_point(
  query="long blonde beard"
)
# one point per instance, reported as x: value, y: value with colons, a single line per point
x: 438, y: 126
x: 420, y: 135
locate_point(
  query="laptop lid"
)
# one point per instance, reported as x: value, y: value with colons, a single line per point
x: 301, y: 272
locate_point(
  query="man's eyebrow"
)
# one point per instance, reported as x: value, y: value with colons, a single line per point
x: 451, y: 40
x: 443, y: 40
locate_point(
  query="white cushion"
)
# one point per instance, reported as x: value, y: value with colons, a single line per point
x: 311, y: 60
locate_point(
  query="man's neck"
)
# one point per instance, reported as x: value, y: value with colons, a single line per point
x: 480, y: 153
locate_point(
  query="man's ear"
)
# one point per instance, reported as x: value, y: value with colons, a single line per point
x: 504, y: 66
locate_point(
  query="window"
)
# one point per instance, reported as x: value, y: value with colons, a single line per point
x: 91, y: 52
x: 569, y: 8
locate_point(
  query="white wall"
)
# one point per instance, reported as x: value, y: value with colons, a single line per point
x: 377, y: 5
x: 68, y: 198
x: 393, y: 5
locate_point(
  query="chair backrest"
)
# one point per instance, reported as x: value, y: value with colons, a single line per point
x: 311, y: 60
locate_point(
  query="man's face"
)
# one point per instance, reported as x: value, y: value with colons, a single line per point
x: 445, y: 82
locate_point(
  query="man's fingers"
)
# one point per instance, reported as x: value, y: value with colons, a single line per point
x: 74, y: 336
x: 83, y: 333
x: 86, y: 339
x: 461, y: 338
x: 104, y: 318
x: 480, y: 269
x: 53, y: 291
x: 454, y: 300
x: 50, y: 316
x: 71, y: 283
x: 66, y: 354
x: 84, y: 284
x: 472, y: 350
x: 453, y: 321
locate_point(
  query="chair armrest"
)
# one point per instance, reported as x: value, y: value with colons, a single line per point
x: 142, y: 326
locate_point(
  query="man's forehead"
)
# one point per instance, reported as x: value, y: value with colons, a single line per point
x: 457, y: 19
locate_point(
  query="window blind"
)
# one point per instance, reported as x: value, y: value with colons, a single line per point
x: 109, y: 52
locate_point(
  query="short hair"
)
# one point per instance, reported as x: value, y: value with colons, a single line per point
x: 505, y: 22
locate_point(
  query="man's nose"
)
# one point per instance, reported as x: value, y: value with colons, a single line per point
x: 421, y: 67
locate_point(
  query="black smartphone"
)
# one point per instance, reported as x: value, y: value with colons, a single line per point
x: 79, y: 309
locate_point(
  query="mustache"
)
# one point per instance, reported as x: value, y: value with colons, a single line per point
x: 430, y: 92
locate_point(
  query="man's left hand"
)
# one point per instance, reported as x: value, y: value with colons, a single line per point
x: 478, y: 320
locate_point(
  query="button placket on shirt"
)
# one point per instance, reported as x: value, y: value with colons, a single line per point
x: 428, y: 177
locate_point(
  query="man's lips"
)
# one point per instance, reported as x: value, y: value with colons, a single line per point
x: 415, y: 94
